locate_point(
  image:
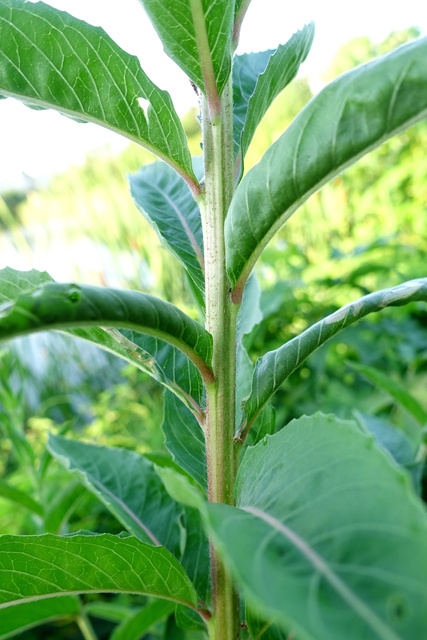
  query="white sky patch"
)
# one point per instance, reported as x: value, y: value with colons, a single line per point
x: 42, y: 143
x: 144, y: 104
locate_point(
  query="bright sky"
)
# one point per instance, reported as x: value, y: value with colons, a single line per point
x: 40, y: 143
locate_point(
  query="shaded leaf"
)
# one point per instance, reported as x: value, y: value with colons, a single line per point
x: 128, y: 485
x: 166, y: 202
x: 139, y: 622
x: 258, y: 78
x: 395, y: 390
x: 197, y: 35
x: 52, y: 60
x: 20, y: 498
x: 336, y: 536
x: 185, y: 439
x: 272, y: 369
x: 30, y: 614
x: 351, y: 116
x: 180, y: 487
x: 38, y: 567
x: 63, y: 306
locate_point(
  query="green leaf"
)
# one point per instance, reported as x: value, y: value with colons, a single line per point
x: 184, y: 439
x: 180, y: 488
x: 142, y: 620
x: 38, y: 567
x: 50, y: 59
x: 162, y: 361
x: 20, y: 498
x: 197, y: 35
x: 328, y: 538
x: 25, y: 616
x: 64, y: 306
x: 395, y: 390
x: 167, y: 204
x: 351, y: 116
x: 258, y: 78
x: 272, y: 369
x: 128, y: 485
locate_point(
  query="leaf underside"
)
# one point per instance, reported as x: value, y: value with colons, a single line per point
x: 322, y: 565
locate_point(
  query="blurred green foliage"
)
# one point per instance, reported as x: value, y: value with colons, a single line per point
x: 365, y: 231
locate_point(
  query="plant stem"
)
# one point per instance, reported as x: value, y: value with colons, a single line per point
x: 221, y: 320
x: 85, y: 627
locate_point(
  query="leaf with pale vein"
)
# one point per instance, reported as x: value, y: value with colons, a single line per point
x: 50, y: 59
x: 323, y: 564
x: 129, y: 487
x: 167, y: 364
x: 258, y: 78
x: 272, y: 369
x: 197, y: 35
x: 38, y: 567
x: 25, y: 616
x: 65, y: 306
x: 351, y: 116
x: 165, y: 201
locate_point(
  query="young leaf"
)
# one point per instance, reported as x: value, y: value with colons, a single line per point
x: 328, y: 559
x: 38, y: 567
x: 128, y: 485
x: 351, y: 116
x: 157, y: 358
x: 393, y: 389
x: 53, y: 60
x: 64, y: 306
x: 197, y: 35
x: 272, y: 369
x: 166, y: 202
x: 30, y: 614
x: 138, y: 623
x: 185, y: 439
x: 258, y: 78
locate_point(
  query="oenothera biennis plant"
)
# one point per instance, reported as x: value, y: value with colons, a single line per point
x: 313, y: 532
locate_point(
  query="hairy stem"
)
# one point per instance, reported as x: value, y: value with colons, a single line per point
x: 221, y: 318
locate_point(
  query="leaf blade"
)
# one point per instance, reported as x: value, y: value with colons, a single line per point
x: 328, y: 558
x: 197, y: 35
x: 272, y: 369
x: 350, y: 117
x: 49, y: 566
x: 26, y: 616
x: 258, y: 78
x: 53, y: 60
x: 65, y: 306
x: 165, y: 201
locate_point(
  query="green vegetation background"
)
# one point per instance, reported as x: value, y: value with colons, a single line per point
x: 364, y: 231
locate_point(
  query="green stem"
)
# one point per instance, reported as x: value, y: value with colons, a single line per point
x: 85, y: 627
x: 221, y: 320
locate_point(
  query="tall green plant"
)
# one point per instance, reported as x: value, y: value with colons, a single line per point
x: 314, y: 532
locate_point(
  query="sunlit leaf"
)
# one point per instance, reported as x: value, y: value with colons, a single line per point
x: 38, y: 567
x: 65, y: 306
x: 52, y: 60
x: 328, y: 538
x: 272, y: 369
x: 351, y: 116
x: 167, y: 364
x: 197, y: 35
